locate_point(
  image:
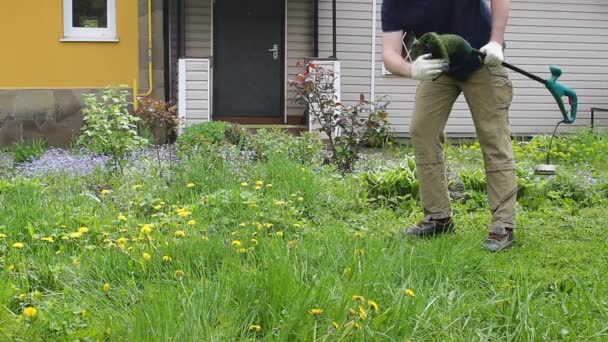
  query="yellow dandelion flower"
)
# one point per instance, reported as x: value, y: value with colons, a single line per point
x: 357, y: 325
x: 180, y: 234
x: 121, y: 242
x: 146, y: 256
x: 105, y: 192
x: 122, y: 217
x: 359, y: 252
x: 268, y: 225
x: 157, y: 207
x: 167, y: 258
x: 178, y: 274
x: 11, y: 267
x: 335, y: 325
x: 191, y: 222
x: 269, y: 185
x: 259, y: 183
x: 83, y: 230
x: 190, y: 185
x: 362, y: 313
x: 279, y: 203
x: 30, y: 312
x: 255, y: 327
x: 373, y: 305
x: 48, y: 239
x: 279, y: 234
x: 106, y: 287
x: 241, y: 250
x: 184, y: 213
x: 22, y: 296
x: 18, y: 245
x: 137, y: 187
x: 236, y: 243
x: 254, y: 241
x: 297, y: 225
x: 244, y: 184
x: 162, y: 203
x: 358, y: 235
x: 257, y: 187
x: 204, y: 237
x: 315, y: 312
x: 410, y: 293
x: 146, y: 229
x: 65, y: 237
x: 292, y: 243
x: 300, y: 199
x: 358, y: 298
x: 242, y: 225
x: 3, y: 236
x: 75, y: 235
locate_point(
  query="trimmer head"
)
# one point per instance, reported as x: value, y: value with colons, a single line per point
x: 545, y: 169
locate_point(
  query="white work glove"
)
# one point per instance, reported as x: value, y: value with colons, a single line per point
x: 425, y: 68
x: 493, y: 52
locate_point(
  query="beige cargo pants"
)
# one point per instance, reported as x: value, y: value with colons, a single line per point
x: 488, y: 93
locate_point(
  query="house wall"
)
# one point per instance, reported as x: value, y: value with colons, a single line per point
x: 43, y: 78
x: 572, y: 34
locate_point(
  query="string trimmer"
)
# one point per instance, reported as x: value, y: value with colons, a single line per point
x: 456, y: 49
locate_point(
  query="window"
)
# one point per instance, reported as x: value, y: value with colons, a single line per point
x: 89, y: 20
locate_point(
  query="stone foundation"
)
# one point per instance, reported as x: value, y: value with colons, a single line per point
x: 54, y: 115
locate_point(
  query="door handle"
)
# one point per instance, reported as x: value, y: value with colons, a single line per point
x: 275, y: 51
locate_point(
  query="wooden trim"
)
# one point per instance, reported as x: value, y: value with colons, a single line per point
x: 182, y: 94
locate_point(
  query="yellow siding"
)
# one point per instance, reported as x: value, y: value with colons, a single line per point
x: 34, y: 57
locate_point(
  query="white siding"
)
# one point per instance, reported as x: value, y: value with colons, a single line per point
x: 300, y: 44
x: 354, y: 22
x: 571, y: 34
x: 194, y: 91
x: 198, y: 28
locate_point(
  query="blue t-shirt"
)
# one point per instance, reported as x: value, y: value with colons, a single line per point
x: 470, y: 19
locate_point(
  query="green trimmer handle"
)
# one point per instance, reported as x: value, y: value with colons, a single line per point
x: 558, y: 91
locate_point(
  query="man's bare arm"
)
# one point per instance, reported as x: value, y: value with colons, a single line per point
x: 500, y: 16
x: 392, y: 47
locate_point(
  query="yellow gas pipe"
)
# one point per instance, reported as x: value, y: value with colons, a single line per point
x: 150, y: 66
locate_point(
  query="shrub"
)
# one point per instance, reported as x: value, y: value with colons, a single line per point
x: 380, y: 132
x: 158, y: 116
x: 347, y: 127
x: 109, y: 128
x: 29, y: 151
x: 200, y: 135
x: 306, y: 149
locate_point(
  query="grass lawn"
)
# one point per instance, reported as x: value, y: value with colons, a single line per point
x: 222, y: 248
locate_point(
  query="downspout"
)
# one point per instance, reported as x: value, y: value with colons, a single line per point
x: 150, y: 66
x: 167, y: 45
x: 316, y: 28
x: 334, y: 28
x: 373, y: 68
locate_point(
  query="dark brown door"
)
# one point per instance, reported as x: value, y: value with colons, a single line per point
x: 248, y: 58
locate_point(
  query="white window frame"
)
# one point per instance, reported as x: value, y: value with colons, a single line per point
x: 72, y: 33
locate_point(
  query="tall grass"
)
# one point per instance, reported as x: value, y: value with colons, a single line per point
x: 254, y: 264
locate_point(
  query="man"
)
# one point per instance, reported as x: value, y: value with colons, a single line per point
x: 487, y: 89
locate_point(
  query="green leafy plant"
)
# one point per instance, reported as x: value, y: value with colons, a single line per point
x: 28, y: 151
x: 306, y: 149
x: 108, y: 127
x: 391, y: 186
x: 347, y: 128
x: 202, y: 135
x: 380, y: 132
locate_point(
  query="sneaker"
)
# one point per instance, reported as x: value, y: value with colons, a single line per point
x: 430, y: 226
x: 498, y: 239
